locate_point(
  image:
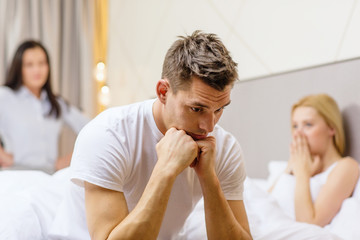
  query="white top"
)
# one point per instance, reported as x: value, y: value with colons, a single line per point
x: 284, y: 190
x: 29, y: 133
x: 116, y: 151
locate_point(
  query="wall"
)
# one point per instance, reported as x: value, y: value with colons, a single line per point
x: 264, y: 37
x: 259, y: 115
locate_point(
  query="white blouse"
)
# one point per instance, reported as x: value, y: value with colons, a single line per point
x: 29, y: 133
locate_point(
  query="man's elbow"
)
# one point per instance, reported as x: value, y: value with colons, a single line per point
x: 98, y: 235
x: 248, y: 236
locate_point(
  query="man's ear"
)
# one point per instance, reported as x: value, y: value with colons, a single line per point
x: 162, y: 89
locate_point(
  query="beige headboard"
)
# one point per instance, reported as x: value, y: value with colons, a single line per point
x: 259, y: 115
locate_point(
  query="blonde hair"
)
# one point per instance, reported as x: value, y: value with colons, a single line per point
x: 329, y: 110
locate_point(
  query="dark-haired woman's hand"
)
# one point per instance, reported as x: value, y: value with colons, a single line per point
x: 6, y: 159
x: 63, y: 162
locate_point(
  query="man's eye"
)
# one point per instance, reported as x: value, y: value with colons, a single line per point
x: 220, y: 109
x: 308, y: 124
x: 195, y: 109
x: 294, y: 126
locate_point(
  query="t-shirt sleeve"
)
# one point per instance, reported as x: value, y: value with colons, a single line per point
x: 230, y: 168
x: 99, y: 157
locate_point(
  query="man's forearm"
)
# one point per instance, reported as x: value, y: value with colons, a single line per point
x: 220, y: 220
x: 144, y: 221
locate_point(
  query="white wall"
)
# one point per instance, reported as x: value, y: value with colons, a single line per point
x: 259, y: 115
x: 264, y: 36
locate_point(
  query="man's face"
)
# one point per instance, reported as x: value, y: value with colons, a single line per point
x: 197, y: 109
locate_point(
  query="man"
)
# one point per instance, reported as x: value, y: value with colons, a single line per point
x: 143, y: 167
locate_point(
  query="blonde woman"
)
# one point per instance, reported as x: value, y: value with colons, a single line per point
x: 318, y: 178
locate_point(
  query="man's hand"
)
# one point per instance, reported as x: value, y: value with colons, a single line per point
x: 224, y: 219
x: 176, y: 151
x: 205, y: 161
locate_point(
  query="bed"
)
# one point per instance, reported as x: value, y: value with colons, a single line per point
x: 30, y: 199
x: 28, y: 205
x: 268, y: 221
x: 261, y: 108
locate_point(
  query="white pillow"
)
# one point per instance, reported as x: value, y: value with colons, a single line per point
x: 275, y: 168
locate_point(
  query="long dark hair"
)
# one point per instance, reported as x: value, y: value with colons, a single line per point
x: 14, y: 75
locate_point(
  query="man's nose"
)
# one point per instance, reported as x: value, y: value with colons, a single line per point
x: 207, y: 123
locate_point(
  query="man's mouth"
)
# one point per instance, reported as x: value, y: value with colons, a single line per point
x: 197, y: 136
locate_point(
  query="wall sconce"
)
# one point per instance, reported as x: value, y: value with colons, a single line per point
x: 103, y: 91
x: 100, y: 72
x: 104, y: 96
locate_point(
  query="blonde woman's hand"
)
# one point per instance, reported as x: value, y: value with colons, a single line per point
x: 301, y: 161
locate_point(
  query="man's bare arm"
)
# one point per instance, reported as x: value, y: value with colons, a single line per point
x: 224, y: 219
x: 107, y: 212
x: 105, y: 209
x: 108, y: 216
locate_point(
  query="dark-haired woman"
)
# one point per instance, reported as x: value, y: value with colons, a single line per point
x: 31, y: 116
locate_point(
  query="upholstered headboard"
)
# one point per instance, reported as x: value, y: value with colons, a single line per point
x: 259, y: 115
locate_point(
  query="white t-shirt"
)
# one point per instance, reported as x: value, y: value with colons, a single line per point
x: 29, y: 133
x: 117, y: 151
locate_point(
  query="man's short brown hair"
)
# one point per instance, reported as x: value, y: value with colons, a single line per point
x: 200, y: 55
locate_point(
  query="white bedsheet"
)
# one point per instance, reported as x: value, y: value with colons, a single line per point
x: 267, y: 221
x: 29, y: 200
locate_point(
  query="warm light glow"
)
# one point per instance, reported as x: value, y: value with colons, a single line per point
x: 104, y: 96
x: 100, y: 76
x: 100, y: 72
x: 99, y: 54
x: 105, y: 90
x: 100, y: 66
